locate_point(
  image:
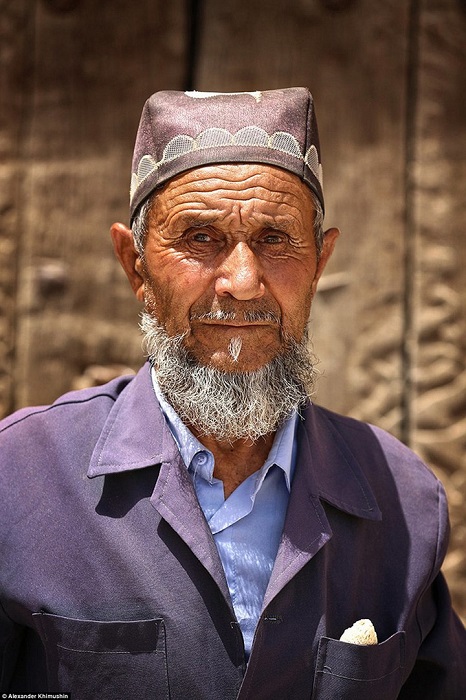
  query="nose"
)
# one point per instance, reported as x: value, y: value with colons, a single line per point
x: 240, y: 275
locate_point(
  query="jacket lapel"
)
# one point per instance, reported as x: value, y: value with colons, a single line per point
x: 136, y: 436
x: 325, y: 471
x: 175, y: 499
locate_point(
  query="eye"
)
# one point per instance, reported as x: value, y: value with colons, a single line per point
x: 202, y: 241
x: 273, y: 238
x: 201, y: 237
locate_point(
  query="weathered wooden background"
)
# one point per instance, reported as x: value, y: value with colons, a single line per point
x: 389, y: 82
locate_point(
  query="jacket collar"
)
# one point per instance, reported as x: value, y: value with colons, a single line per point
x: 135, y: 435
x: 326, y: 470
x: 335, y: 475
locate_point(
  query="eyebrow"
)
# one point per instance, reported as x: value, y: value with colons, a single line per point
x: 198, y: 221
x: 280, y: 223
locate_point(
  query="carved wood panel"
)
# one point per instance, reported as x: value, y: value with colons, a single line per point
x: 438, y: 402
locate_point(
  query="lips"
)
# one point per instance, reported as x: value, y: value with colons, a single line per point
x: 247, y: 317
x: 237, y: 324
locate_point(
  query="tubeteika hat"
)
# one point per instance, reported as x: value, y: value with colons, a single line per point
x: 183, y: 130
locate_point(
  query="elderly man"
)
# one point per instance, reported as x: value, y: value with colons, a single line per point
x: 203, y: 530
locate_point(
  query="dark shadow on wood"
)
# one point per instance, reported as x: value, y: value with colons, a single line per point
x: 194, y: 28
x: 411, y: 111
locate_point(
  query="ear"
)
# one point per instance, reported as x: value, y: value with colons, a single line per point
x: 330, y: 238
x: 130, y: 260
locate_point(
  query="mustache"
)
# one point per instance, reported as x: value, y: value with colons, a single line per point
x: 247, y: 315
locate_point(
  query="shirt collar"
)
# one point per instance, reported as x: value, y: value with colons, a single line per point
x: 281, y: 453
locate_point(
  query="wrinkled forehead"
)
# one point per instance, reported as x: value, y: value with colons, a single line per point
x: 180, y: 131
x: 236, y: 199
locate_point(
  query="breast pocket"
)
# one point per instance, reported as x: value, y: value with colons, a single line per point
x: 348, y: 671
x: 106, y: 660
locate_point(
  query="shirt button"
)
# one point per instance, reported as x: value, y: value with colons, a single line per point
x: 201, y: 458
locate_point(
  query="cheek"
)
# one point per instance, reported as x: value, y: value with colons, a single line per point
x: 170, y: 294
x: 296, y: 316
x: 295, y: 297
x: 158, y: 295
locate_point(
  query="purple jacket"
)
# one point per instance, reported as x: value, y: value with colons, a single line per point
x: 111, y: 586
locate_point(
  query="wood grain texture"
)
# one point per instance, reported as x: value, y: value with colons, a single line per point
x: 94, y: 66
x: 439, y: 322
x: 15, y: 65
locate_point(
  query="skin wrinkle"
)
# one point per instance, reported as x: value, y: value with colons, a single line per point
x: 167, y: 221
x: 278, y: 223
x: 256, y: 197
x: 237, y: 240
x: 141, y: 219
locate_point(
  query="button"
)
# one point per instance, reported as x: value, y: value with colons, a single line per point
x: 201, y: 458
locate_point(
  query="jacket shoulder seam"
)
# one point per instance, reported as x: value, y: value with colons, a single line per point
x: 37, y: 411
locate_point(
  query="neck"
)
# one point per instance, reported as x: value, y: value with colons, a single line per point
x: 234, y: 462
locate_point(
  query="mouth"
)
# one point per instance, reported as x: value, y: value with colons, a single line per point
x: 248, y: 318
x: 238, y: 324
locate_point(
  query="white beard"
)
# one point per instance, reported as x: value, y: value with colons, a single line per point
x: 229, y: 406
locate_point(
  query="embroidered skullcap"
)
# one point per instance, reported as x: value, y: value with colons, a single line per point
x: 183, y: 130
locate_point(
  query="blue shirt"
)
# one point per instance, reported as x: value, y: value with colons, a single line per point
x: 247, y: 526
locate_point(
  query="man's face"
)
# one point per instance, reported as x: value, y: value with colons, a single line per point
x: 230, y: 261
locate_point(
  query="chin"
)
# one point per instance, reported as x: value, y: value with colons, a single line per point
x: 225, y: 363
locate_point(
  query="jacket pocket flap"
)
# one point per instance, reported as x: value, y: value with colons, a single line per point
x: 132, y: 637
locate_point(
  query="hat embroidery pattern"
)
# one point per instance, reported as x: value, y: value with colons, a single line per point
x: 250, y: 136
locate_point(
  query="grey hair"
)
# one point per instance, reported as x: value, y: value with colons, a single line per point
x: 140, y: 224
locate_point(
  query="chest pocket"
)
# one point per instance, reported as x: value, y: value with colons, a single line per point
x: 348, y: 671
x: 105, y: 660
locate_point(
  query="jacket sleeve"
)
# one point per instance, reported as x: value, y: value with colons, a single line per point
x: 10, y: 641
x: 440, y: 669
